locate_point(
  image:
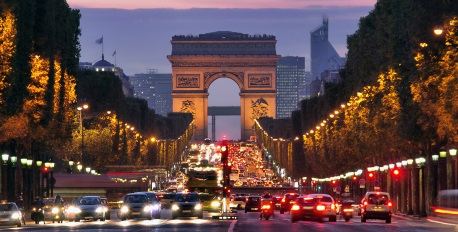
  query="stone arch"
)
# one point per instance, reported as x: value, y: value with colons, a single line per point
x: 211, y: 77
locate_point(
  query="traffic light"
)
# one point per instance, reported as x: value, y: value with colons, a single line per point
x: 396, y: 173
x: 226, y: 168
x: 370, y: 175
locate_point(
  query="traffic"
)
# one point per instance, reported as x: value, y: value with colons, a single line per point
x: 206, y: 191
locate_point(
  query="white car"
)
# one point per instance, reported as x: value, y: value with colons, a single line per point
x: 10, y: 214
x: 376, y: 205
x: 238, y: 202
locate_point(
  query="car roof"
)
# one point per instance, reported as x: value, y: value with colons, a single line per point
x: 318, y: 195
x: 132, y: 194
x: 377, y: 193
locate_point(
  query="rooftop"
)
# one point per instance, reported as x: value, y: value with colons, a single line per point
x: 222, y: 35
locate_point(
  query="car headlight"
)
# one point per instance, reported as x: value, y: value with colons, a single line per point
x: 175, y: 207
x: 198, y: 207
x: 55, y: 210
x: 15, y: 215
x: 124, y: 209
x: 99, y: 210
x: 147, y: 208
x: 215, y: 204
x: 74, y: 210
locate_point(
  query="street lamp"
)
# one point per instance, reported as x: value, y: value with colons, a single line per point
x: 13, y: 160
x: 5, y: 158
x: 435, y: 157
x: 70, y: 163
x: 452, y: 151
x: 88, y: 169
x: 443, y: 154
x: 80, y: 111
x: 23, y: 161
x: 79, y: 167
x: 438, y: 31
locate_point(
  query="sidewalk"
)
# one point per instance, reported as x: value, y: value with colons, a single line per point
x: 451, y: 221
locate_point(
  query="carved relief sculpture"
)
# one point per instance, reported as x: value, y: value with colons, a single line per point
x: 259, y: 108
x: 188, y: 107
x: 187, y: 81
x: 260, y: 80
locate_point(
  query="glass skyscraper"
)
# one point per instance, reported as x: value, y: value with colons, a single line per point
x: 290, y: 80
x: 156, y: 89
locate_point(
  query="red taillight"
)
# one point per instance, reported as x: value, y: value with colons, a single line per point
x: 333, y: 206
x: 365, y: 203
x: 295, y: 207
x: 265, y: 207
x: 283, y: 200
x: 320, y: 207
x: 390, y: 204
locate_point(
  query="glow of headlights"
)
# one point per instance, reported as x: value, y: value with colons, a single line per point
x: 55, y: 210
x: 215, y: 204
x: 198, y: 207
x: 99, y: 210
x: 147, y: 208
x: 175, y: 207
x: 124, y: 209
x: 16, y: 215
x: 74, y: 210
x: 156, y: 206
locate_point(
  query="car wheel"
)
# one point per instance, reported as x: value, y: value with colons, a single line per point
x: 123, y: 218
x: 363, y: 219
x: 347, y: 219
x: 333, y: 219
x: 200, y: 216
x: 388, y: 220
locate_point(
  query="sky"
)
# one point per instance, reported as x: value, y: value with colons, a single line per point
x: 141, y: 37
x: 186, y: 4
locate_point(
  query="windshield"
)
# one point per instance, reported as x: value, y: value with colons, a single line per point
x: 186, y: 197
x: 6, y: 207
x: 169, y: 196
x: 136, y: 198
x: 378, y: 199
x: 89, y: 201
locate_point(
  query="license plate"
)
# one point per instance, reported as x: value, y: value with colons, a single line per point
x: 254, y: 208
x: 136, y: 213
x: 308, y: 207
x: 187, y: 211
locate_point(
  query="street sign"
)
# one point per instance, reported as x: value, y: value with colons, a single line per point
x: 362, y: 183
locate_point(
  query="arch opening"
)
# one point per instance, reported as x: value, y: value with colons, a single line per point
x: 223, y: 104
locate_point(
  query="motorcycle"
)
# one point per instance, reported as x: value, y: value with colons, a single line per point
x: 57, y: 214
x: 347, y: 211
x: 267, y: 211
x: 37, y: 214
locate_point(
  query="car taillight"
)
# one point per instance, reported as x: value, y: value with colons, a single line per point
x: 333, y: 206
x: 390, y: 204
x: 265, y: 207
x: 283, y: 200
x: 365, y: 203
x: 320, y: 207
x: 295, y: 207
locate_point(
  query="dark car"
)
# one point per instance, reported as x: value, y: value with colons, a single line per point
x: 137, y: 205
x: 253, y: 204
x: 314, y: 206
x: 155, y: 204
x: 277, y: 201
x: 287, y: 201
x: 87, y: 207
x: 187, y: 205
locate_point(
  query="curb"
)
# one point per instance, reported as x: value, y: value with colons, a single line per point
x: 409, y: 217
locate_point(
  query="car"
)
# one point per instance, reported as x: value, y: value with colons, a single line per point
x: 376, y: 205
x: 286, y: 202
x: 138, y: 205
x: 155, y: 204
x: 105, y: 204
x: 277, y: 201
x: 10, y: 214
x: 253, y: 204
x: 166, y: 200
x: 187, y: 205
x: 238, y: 201
x: 211, y: 203
x: 314, y: 206
x: 85, y: 208
x: 53, y: 210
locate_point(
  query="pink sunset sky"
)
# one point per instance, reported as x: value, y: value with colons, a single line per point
x: 186, y: 4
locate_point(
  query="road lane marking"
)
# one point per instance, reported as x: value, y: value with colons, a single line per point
x: 443, y: 223
x: 231, y: 227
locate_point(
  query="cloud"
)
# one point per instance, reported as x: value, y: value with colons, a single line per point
x: 187, y: 4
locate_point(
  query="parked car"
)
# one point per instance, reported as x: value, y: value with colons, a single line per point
x: 10, y: 214
x: 376, y: 205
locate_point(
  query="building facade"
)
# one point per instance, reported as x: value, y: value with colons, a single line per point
x: 156, y: 89
x: 324, y: 56
x: 291, y: 82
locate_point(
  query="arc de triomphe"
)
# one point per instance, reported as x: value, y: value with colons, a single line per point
x: 248, y: 60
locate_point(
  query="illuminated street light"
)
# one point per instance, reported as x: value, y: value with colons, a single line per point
x: 452, y: 151
x: 29, y: 162
x: 404, y: 163
x: 24, y: 161
x: 435, y: 157
x: 5, y: 157
x: 410, y: 161
x: 423, y: 44
x: 39, y: 163
x: 79, y: 167
x: 13, y: 159
x: 443, y: 154
x: 438, y: 31
x: 70, y: 163
x: 88, y: 169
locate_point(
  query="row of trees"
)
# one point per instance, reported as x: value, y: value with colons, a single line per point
x: 41, y: 87
x: 397, y: 89
x: 39, y: 53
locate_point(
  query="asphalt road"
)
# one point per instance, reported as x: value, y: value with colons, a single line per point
x: 247, y: 222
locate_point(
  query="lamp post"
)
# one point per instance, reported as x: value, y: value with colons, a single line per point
x: 12, y: 178
x: 80, y: 111
x: 5, y: 157
x: 52, y: 180
x: 453, y: 153
x: 79, y: 167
